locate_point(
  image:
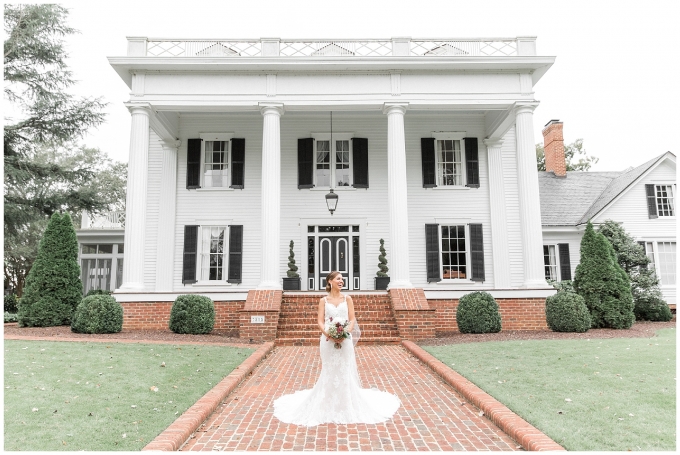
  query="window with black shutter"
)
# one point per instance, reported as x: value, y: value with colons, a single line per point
x: 305, y: 163
x: 360, y: 162
x: 651, y: 201
x: 193, y: 163
x: 428, y: 162
x: 238, y: 156
x: 432, y: 252
x: 235, y: 253
x: 472, y: 162
x: 565, y: 262
x: 477, y: 252
x: 189, y: 256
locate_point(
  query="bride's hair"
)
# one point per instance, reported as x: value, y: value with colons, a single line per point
x: 329, y: 277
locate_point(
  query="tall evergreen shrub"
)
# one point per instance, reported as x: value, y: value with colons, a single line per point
x: 602, y: 283
x: 53, y: 286
x: 649, y: 302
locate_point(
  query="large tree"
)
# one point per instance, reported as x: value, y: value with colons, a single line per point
x: 571, y: 153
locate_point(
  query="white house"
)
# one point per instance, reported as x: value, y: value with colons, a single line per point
x: 642, y: 199
x: 428, y: 144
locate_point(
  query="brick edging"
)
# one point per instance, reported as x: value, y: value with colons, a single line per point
x: 174, y: 437
x: 528, y: 436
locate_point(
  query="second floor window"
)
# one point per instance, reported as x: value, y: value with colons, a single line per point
x: 449, y: 163
x: 216, y: 164
x: 332, y: 166
x: 665, y: 203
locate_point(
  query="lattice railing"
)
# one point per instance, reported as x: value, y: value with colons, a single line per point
x: 108, y: 220
x: 325, y: 48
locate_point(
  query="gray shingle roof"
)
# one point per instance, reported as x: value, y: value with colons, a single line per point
x: 580, y: 196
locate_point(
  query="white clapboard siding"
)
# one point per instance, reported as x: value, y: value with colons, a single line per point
x: 631, y: 208
x: 152, y: 211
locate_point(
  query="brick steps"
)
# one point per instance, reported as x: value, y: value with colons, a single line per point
x: 298, y: 327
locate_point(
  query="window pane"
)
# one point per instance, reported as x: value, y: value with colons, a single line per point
x: 323, y: 163
x: 550, y: 262
x: 216, y: 163
x: 89, y: 249
x: 212, y: 252
x: 666, y: 254
x: 119, y: 273
x: 121, y: 248
x: 449, y: 163
x: 106, y: 248
x: 454, y: 254
x: 664, y: 200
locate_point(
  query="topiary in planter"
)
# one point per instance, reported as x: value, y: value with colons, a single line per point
x: 567, y: 312
x: 98, y: 314
x: 193, y: 314
x: 478, y: 312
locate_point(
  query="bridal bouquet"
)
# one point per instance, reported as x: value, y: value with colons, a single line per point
x: 337, y: 329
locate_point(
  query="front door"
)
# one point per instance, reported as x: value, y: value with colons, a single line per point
x: 333, y: 255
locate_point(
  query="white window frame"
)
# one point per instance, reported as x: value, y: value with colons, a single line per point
x: 671, y: 198
x: 654, y: 253
x: 556, y: 266
x: 216, y: 137
x: 115, y: 256
x: 454, y: 136
x: 336, y: 137
x: 468, y: 265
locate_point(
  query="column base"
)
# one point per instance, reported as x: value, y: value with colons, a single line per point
x: 536, y: 284
x: 274, y: 285
x: 134, y: 287
x: 399, y: 284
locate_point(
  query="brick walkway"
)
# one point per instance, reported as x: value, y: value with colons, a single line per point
x: 433, y: 416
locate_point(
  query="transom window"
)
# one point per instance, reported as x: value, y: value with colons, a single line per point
x: 454, y: 252
x: 332, y: 167
x: 550, y: 262
x: 665, y: 204
x: 449, y: 162
x: 213, y: 263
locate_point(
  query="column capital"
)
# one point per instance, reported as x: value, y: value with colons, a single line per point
x: 493, y: 143
x: 139, y: 108
x: 169, y: 144
x: 390, y: 108
x: 525, y: 108
x: 272, y: 108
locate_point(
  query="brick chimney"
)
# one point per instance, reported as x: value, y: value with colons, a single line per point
x: 553, y: 146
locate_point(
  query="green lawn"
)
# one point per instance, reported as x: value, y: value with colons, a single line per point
x: 601, y: 394
x: 98, y: 396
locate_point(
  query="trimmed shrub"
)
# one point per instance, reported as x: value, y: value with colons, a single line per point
x: 53, y: 287
x: 567, y: 312
x: 11, y: 302
x: 98, y: 292
x: 603, y: 284
x: 652, y: 307
x: 98, y: 314
x: 565, y: 285
x: 478, y: 312
x: 193, y: 314
x: 10, y: 317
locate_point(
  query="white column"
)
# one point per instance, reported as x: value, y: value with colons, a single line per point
x: 165, y: 246
x: 529, y: 201
x: 270, y: 276
x: 499, y: 234
x: 396, y: 196
x: 135, y: 205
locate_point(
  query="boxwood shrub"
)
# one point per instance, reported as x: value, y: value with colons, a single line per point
x: 98, y: 292
x: 11, y: 303
x: 478, y: 312
x: 193, y: 314
x: 567, y: 312
x: 98, y: 314
x: 652, y: 308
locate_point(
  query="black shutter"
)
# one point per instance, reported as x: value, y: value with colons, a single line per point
x: 429, y: 163
x: 477, y: 252
x: 235, y: 253
x: 472, y: 162
x: 651, y: 201
x: 644, y: 250
x: 565, y: 263
x: 238, y: 157
x: 194, y: 163
x: 360, y: 162
x: 190, y: 248
x: 432, y: 252
x: 305, y: 163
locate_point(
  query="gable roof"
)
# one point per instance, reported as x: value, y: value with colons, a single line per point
x: 581, y: 195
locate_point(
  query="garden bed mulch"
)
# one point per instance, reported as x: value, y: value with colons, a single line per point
x: 641, y: 329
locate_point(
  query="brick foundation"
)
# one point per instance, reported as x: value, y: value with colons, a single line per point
x: 516, y: 314
x: 156, y: 316
x: 415, y: 319
x: 265, y: 303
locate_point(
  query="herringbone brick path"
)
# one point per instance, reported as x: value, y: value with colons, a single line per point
x: 432, y: 417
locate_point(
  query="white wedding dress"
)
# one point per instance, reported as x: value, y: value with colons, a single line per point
x: 337, y: 396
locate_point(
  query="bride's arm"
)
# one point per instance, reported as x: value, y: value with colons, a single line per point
x: 320, y: 319
x: 350, y: 308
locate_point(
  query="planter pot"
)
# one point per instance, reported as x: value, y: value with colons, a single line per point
x: 291, y: 284
x: 381, y: 283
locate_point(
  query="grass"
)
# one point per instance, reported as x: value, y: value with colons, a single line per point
x: 98, y: 396
x: 600, y: 394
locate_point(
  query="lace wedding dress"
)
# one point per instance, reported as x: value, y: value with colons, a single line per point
x: 337, y: 396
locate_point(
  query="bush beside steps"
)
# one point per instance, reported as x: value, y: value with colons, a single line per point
x: 567, y: 312
x: 194, y: 314
x: 478, y: 312
x: 98, y: 314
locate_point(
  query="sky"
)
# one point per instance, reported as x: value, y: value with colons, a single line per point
x: 614, y: 81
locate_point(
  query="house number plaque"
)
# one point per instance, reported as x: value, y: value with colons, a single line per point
x: 257, y: 319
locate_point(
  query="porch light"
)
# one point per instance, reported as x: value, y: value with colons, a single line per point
x: 331, y: 201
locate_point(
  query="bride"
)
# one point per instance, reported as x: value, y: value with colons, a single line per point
x: 337, y: 396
